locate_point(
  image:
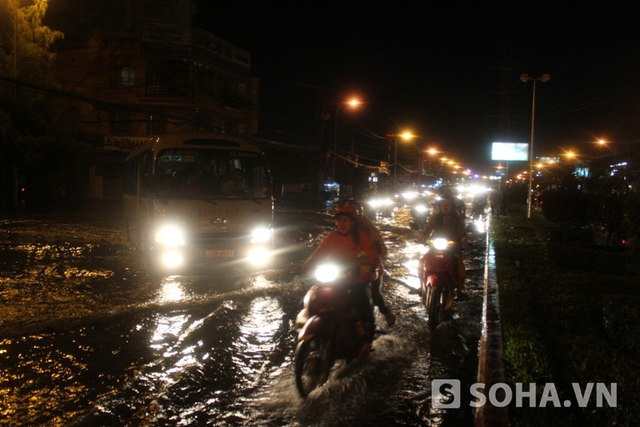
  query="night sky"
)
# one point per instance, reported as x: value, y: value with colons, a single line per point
x: 440, y: 70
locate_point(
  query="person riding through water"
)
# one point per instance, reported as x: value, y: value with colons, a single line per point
x: 372, y: 231
x: 446, y: 221
x: 350, y: 243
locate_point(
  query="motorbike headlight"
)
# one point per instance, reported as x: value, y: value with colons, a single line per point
x: 260, y: 235
x: 326, y: 273
x: 170, y: 235
x: 380, y: 202
x: 440, y: 243
x: 420, y: 208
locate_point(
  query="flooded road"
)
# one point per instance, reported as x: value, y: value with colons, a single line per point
x: 90, y: 338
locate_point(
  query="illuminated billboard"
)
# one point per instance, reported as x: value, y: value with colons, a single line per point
x: 510, y: 151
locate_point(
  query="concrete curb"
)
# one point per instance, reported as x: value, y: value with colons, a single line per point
x: 490, y: 363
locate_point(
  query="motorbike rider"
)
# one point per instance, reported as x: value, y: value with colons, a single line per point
x: 352, y: 244
x: 448, y: 222
x: 448, y: 192
x: 372, y: 231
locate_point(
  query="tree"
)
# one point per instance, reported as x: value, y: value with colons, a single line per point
x: 25, y: 43
x: 26, y: 113
x: 567, y: 207
x: 632, y: 219
x: 608, y: 208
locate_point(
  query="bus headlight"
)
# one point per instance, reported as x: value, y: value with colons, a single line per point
x: 172, y: 259
x: 170, y: 235
x: 259, y: 256
x: 260, y: 235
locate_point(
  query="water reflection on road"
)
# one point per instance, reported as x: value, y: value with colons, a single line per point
x: 203, y: 350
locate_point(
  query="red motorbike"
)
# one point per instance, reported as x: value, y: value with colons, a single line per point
x: 330, y: 329
x: 438, y: 276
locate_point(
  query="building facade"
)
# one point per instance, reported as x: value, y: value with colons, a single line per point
x: 134, y: 69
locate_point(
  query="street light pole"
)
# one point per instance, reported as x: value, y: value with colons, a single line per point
x: 525, y: 78
x: 353, y: 103
x: 335, y: 141
x: 395, y: 164
x: 406, y: 136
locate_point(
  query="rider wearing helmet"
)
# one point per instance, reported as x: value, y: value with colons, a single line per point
x: 448, y: 192
x: 369, y: 227
x: 446, y: 220
x: 348, y: 242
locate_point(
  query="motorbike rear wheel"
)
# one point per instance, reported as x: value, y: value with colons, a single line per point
x: 434, y: 302
x: 312, y: 365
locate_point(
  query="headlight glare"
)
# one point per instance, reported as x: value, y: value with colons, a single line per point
x: 261, y: 235
x: 172, y: 259
x: 380, y: 202
x: 170, y: 235
x: 259, y: 256
x: 440, y: 244
x: 326, y: 273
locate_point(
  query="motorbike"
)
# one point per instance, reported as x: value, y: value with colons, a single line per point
x: 478, y: 217
x: 438, y: 276
x: 329, y: 328
x: 421, y: 208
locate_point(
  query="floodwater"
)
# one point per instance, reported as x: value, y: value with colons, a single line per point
x: 90, y: 338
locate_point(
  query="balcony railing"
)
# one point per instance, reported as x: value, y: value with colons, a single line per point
x: 196, y: 41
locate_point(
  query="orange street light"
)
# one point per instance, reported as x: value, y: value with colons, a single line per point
x: 406, y: 135
x: 352, y: 103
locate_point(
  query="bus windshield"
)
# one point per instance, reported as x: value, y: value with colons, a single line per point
x: 198, y: 173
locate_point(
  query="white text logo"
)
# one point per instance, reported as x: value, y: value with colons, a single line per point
x: 446, y: 394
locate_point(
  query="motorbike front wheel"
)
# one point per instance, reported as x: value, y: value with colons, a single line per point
x: 434, y: 303
x: 312, y: 365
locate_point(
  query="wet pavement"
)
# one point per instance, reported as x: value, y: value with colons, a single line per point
x: 89, y: 337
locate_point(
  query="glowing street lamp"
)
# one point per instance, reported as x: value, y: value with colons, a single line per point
x: 525, y: 78
x: 610, y: 145
x: 353, y: 103
x: 406, y: 136
x: 425, y: 162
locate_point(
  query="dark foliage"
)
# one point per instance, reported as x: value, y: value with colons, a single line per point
x: 566, y: 207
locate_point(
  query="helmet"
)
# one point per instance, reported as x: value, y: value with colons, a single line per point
x: 353, y: 203
x: 347, y: 209
x: 447, y: 192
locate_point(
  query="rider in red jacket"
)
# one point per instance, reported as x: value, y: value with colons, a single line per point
x: 372, y: 231
x: 447, y: 221
x: 353, y: 245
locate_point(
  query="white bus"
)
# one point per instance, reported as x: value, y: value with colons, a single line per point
x: 199, y: 199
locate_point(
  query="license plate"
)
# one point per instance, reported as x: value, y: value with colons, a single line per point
x: 217, y: 253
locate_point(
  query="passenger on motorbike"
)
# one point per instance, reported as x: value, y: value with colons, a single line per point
x: 447, y: 222
x: 372, y: 231
x: 352, y: 244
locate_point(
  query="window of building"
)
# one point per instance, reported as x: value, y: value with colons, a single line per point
x: 120, y: 122
x: 128, y: 77
x: 156, y: 126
